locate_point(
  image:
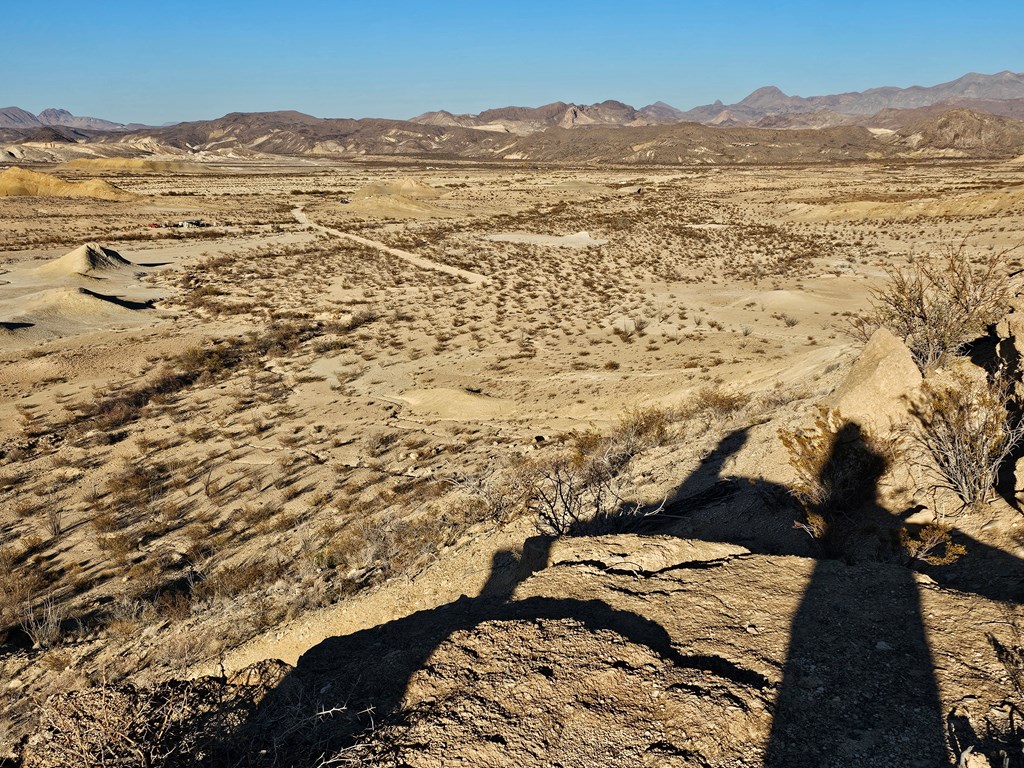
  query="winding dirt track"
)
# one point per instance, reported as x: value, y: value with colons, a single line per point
x: 412, y: 258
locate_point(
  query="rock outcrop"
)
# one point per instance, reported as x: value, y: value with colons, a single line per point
x: 641, y: 651
x: 878, y: 390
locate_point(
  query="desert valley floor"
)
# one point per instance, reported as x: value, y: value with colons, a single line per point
x: 310, y: 415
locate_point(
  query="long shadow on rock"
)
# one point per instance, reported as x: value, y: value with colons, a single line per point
x: 858, y: 685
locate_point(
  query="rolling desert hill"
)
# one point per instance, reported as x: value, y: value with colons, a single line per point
x: 961, y: 132
x: 968, y: 131
x: 527, y: 120
x: 18, y: 182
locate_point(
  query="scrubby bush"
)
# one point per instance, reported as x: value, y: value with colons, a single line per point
x: 932, y: 545
x: 717, y: 403
x: 838, y: 467
x: 939, y: 304
x: 964, y: 432
x: 578, y: 491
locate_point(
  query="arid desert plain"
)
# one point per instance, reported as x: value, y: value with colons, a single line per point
x: 319, y: 416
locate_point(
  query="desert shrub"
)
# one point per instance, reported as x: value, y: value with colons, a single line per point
x: 26, y: 601
x: 576, y: 495
x: 715, y: 402
x: 55, y: 519
x: 230, y: 581
x: 42, y: 620
x: 497, y: 494
x: 964, y: 432
x: 579, y: 491
x: 137, y: 482
x: 640, y: 428
x: 932, y: 545
x: 172, y: 725
x: 838, y: 467
x: 939, y: 303
x: 16, y: 589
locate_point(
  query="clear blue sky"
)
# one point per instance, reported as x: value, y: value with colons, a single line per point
x: 159, y: 61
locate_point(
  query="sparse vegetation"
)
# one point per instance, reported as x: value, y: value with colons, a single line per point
x: 940, y: 303
x: 964, y: 433
x: 838, y: 466
x: 579, y: 491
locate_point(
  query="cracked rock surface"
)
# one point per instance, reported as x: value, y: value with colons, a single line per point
x: 644, y: 650
x: 695, y: 653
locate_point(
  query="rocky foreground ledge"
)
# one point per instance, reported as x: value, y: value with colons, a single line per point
x: 615, y: 651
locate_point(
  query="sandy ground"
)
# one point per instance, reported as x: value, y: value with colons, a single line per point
x: 398, y: 346
x: 412, y: 258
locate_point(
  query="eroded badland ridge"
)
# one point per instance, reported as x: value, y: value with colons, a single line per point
x: 974, y: 116
x: 319, y: 452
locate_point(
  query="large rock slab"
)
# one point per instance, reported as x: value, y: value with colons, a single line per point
x: 880, y: 386
x: 724, y: 659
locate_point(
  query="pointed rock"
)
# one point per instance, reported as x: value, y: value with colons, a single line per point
x: 877, y: 392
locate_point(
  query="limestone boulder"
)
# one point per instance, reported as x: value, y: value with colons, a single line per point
x: 881, y: 385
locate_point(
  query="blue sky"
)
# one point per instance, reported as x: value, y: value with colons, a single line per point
x: 160, y: 61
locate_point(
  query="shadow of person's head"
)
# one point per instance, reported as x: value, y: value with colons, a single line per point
x: 842, y: 470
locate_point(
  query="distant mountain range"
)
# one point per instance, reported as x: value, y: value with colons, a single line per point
x: 973, y: 116
x: 15, y: 117
x: 1001, y: 93
x: 767, y: 107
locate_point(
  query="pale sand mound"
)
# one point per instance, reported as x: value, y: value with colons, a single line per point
x: 18, y: 182
x: 85, y: 260
x: 448, y: 403
x: 579, y: 240
x: 76, y: 305
x: 129, y: 164
x: 395, y: 206
x: 404, y: 187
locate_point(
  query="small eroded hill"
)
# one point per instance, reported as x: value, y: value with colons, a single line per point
x: 85, y: 260
x: 19, y: 182
x: 968, y: 132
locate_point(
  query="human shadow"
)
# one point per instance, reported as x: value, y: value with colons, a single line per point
x: 858, y: 686
x: 859, y: 679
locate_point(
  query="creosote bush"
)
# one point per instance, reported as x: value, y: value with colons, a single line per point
x: 838, y: 467
x: 964, y: 432
x: 939, y: 304
x: 838, y: 464
x: 932, y: 545
x: 577, y: 491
